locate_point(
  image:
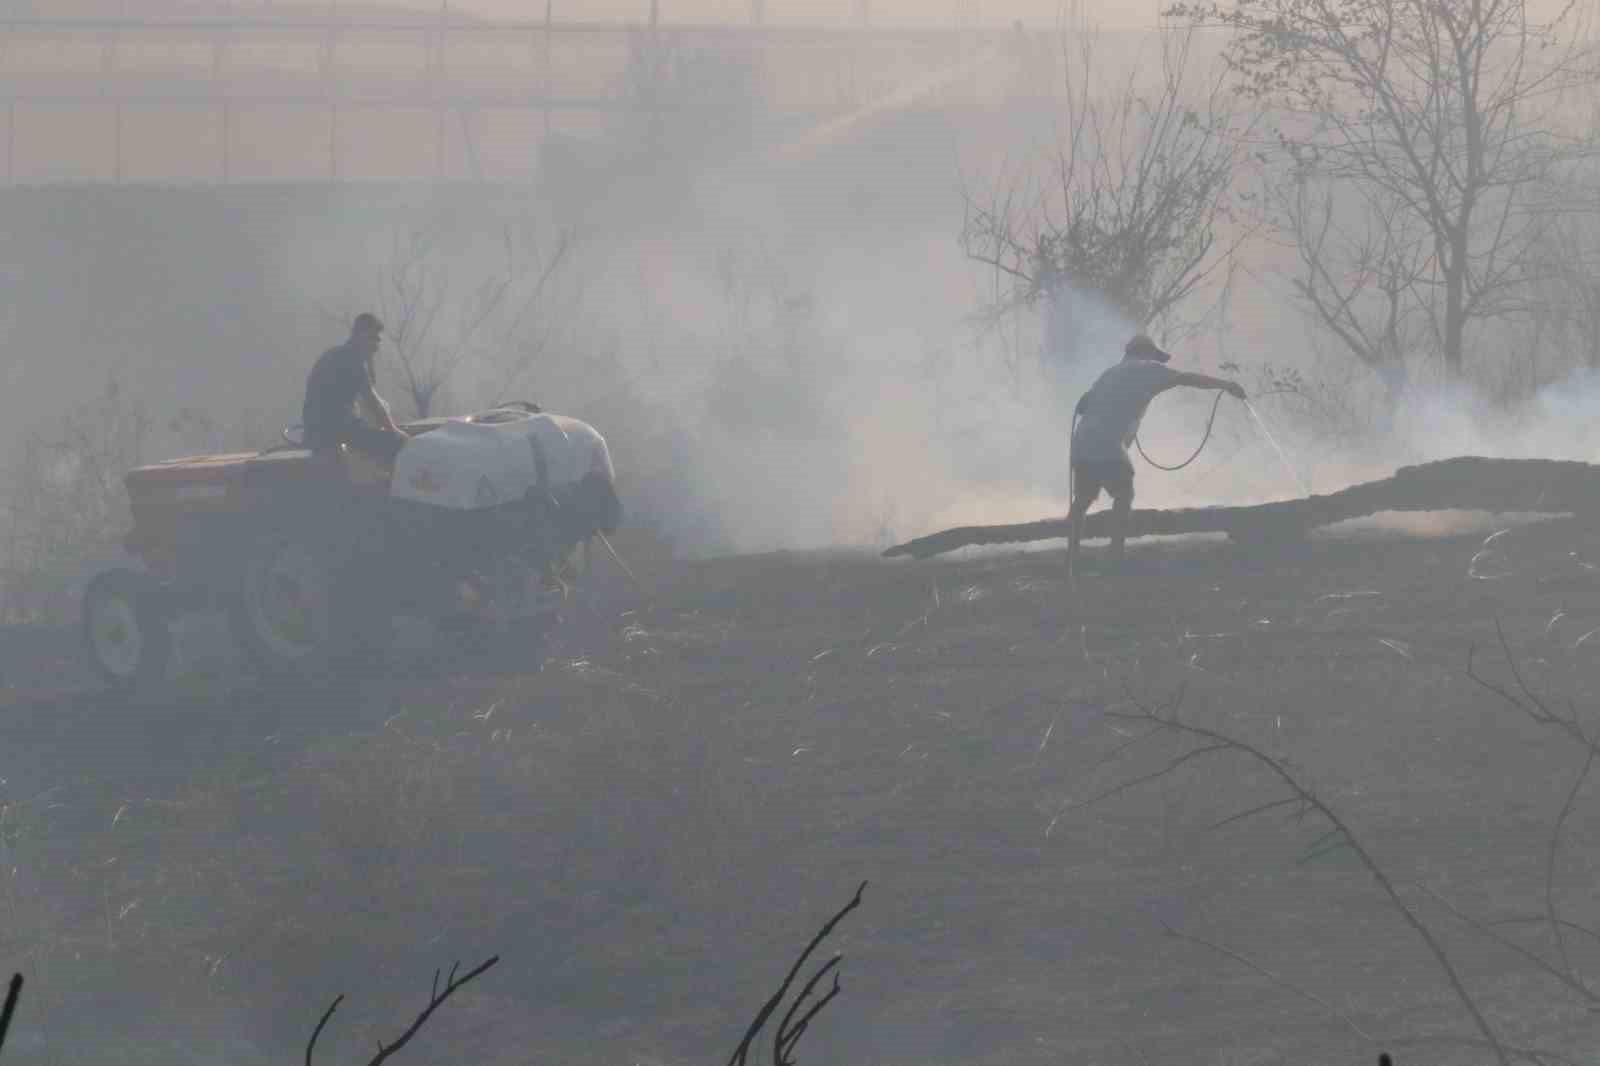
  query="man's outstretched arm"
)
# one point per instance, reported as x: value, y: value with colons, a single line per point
x: 1206, y: 381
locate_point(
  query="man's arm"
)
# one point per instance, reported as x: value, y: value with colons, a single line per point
x: 376, y: 409
x: 1206, y: 381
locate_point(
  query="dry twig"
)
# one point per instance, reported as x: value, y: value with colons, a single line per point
x: 792, y: 1028
x: 1306, y: 801
x: 435, y: 999
x: 13, y: 993
x: 1568, y: 722
x: 1345, y: 1019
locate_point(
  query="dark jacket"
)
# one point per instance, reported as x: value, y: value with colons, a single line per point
x: 329, y: 416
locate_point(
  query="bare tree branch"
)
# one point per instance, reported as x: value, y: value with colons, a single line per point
x: 1210, y: 741
x: 13, y: 993
x: 436, y: 998
x: 1341, y: 1016
x: 1539, y: 709
x: 1562, y: 973
x: 787, y: 1037
x: 311, y: 1045
x: 452, y: 983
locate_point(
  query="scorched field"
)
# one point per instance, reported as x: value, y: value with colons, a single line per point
x: 1224, y: 807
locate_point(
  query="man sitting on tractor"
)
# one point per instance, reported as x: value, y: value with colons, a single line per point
x: 343, y: 378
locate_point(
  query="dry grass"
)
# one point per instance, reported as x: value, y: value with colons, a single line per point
x: 646, y: 828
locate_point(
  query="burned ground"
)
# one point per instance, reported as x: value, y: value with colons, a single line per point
x: 646, y: 828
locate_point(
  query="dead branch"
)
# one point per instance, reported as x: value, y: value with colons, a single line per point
x: 1278, y: 979
x: 1529, y: 702
x: 1537, y: 1056
x: 1563, y: 973
x: 1570, y: 724
x: 790, y: 1029
x: 435, y: 999
x: 1210, y: 741
x: 1498, y: 486
x: 321, y: 1022
x: 13, y: 993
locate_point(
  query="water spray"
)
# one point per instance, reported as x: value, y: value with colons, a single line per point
x: 1261, y: 423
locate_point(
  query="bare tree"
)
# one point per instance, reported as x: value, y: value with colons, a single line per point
x: 1441, y: 114
x: 504, y: 321
x: 1567, y: 290
x: 1570, y: 267
x: 1357, y: 272
x: 1134, y: 203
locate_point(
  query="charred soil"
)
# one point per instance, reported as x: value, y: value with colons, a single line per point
x: 643, y: 826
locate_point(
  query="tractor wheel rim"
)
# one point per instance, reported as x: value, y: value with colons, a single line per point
x: 287, y: 601
x: 118, y: 643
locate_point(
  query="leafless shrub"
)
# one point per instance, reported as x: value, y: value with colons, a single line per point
x: 442, y: 322
x: 1328, y: 405
x: 64, y: 499
x: 1134, y: 205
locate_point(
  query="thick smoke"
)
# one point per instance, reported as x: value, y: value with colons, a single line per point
x: 780, y: 346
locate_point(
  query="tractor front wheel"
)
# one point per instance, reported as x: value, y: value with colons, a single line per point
x: 127, y: 630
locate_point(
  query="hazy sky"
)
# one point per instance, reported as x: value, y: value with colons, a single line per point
x: 1045, y: 12
x: 945, y: 12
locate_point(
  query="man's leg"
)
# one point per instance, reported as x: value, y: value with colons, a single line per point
x: 1121, y: 506
x: 1085, y: 490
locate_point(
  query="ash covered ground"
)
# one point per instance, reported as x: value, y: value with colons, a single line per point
x: 648, y: 828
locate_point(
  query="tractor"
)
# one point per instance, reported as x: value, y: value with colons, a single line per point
x: 313, y: 554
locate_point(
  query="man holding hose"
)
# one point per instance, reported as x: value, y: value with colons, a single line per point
x: 1105, y: 424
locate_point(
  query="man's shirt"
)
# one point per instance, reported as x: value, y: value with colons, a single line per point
x: 1114, y: 406
x: 340, y: 376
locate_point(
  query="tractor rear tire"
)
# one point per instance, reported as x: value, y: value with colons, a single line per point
x: 127, y: 630
x: 298, y: 613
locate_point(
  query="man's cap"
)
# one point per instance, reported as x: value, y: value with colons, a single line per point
x: 1140, y: 346
x: 367, y: 322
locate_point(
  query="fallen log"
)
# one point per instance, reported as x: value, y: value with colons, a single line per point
x: 1466, y: 483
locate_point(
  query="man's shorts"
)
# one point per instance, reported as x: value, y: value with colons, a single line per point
x: 1115, y: 476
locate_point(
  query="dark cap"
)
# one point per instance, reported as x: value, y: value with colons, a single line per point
x: 1141, y: 346
x: 367, y: 322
